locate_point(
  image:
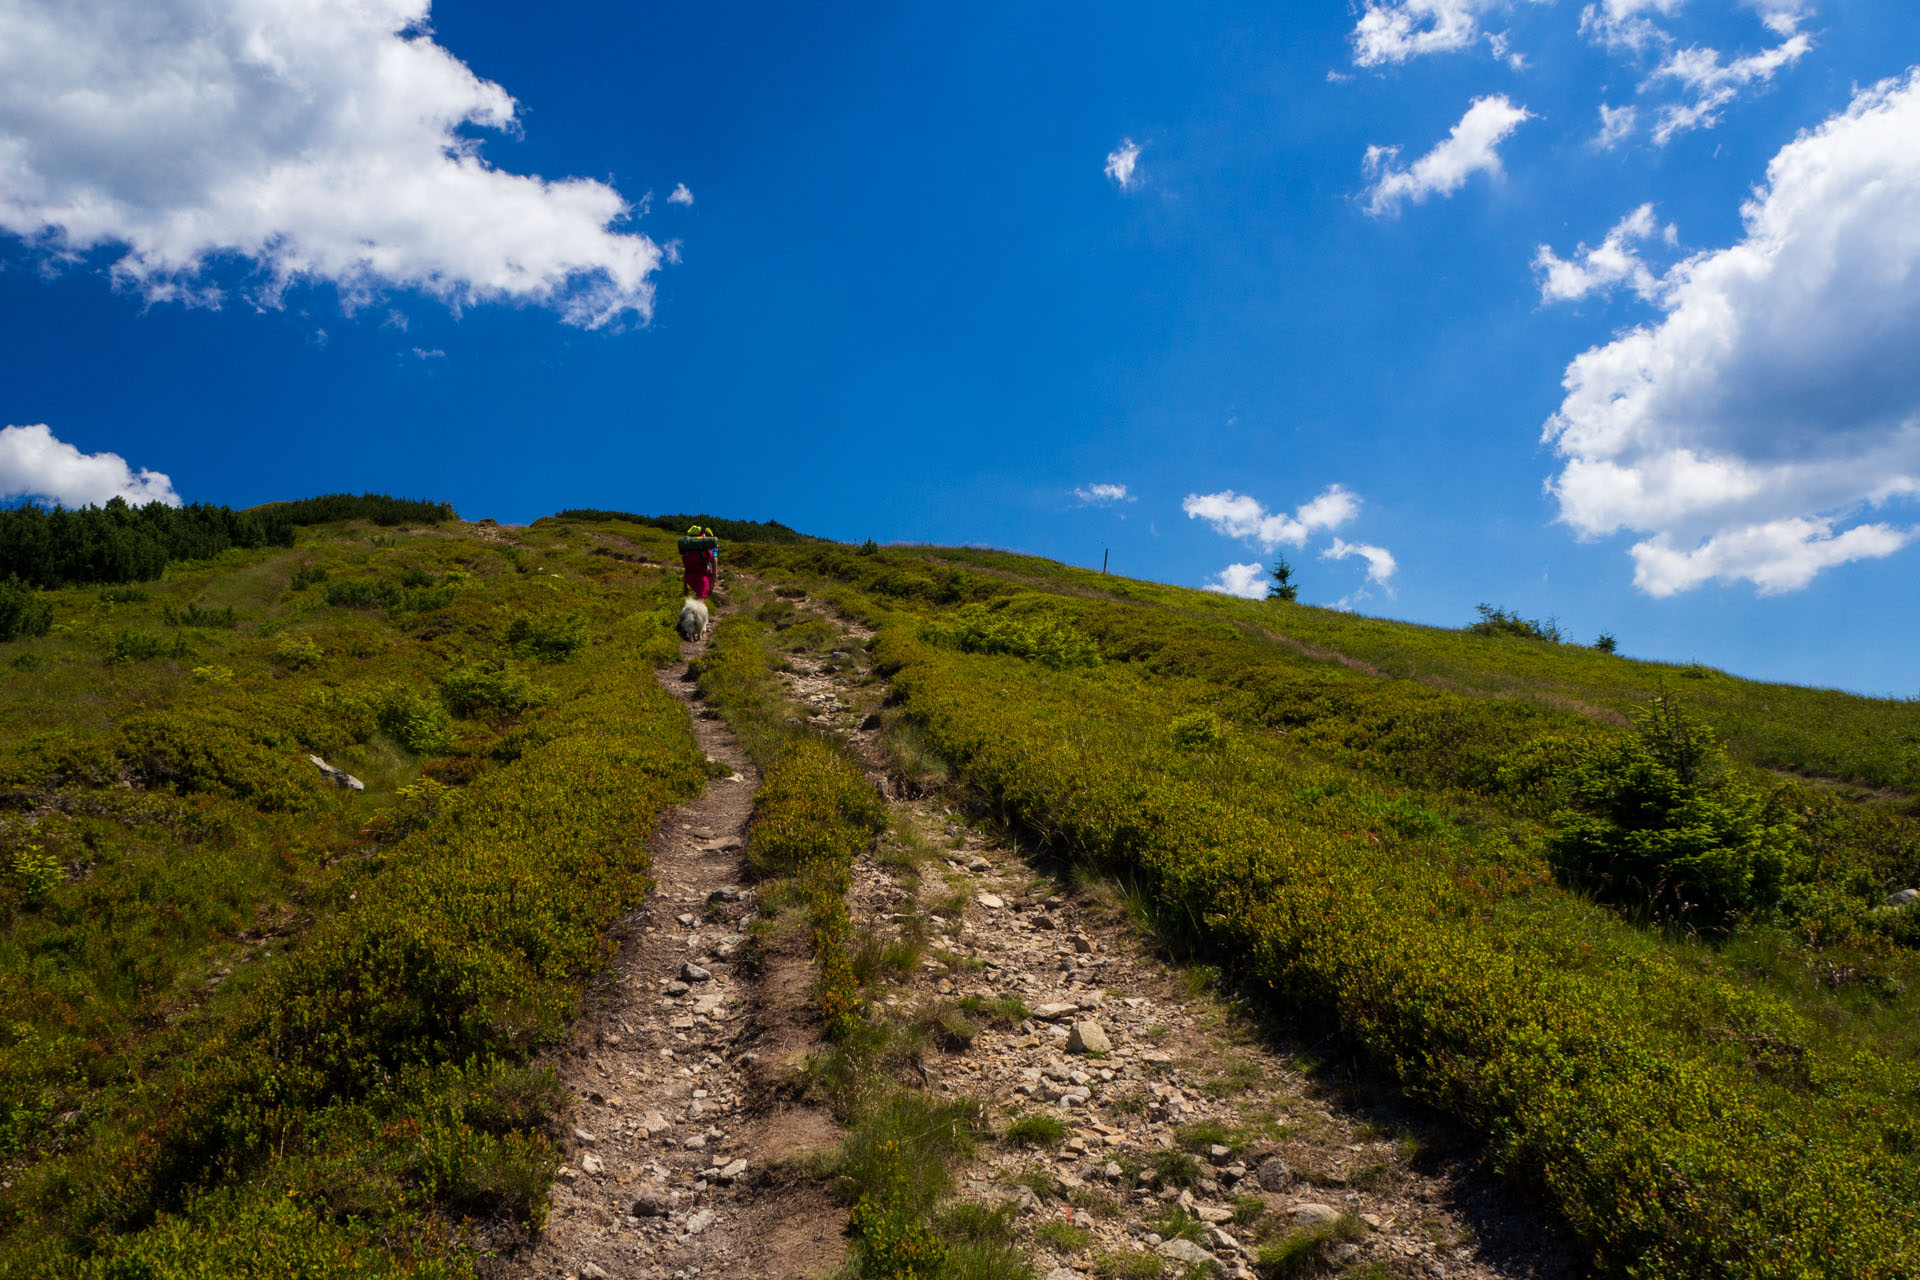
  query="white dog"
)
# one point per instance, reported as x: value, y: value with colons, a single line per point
x: 693, y: 619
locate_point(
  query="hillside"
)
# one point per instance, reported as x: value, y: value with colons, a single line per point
x: 1611, y: 938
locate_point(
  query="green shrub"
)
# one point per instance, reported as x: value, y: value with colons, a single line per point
x: 22, y: 611
x: 140, y: 646
x: 34, y: 873
x: 488, y: 688
x: 193, y: 615
x: 417, y: 722
x: 298, y: 652
x: 550, y: 637
x: 1499, y: 622
x: 1197, y: 731
x: 1659, y: 823
x: 364, y: 594
x: 1037, y: 632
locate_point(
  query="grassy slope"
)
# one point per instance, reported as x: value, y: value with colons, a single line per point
x: 1872, y: 742
x: 215, y: 968
x: 1370, y: 848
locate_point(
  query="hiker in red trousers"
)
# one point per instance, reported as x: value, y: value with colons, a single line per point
x: 699, y: 561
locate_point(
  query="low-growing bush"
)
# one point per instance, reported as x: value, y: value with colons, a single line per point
x: 414, y: 720
x: 550, y: 637
x: 298, y: 652
x: 1660, y: 824
x: 141, y: 646
x: 488, y: 688
x: 1038, y: 633
x: 22, y: 611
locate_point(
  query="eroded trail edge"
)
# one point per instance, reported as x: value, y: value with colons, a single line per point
x: 686, y: 1154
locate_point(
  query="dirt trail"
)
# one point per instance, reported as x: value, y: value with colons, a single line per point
x: 684, y: 1153
x: 1189, y: 1139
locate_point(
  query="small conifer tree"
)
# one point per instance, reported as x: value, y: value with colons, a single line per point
x: 1283, y: 587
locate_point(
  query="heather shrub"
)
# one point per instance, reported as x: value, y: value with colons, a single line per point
x: 550, y: 637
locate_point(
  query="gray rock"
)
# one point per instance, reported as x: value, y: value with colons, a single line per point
x: 726, y: 948
x: 691, y: 972
x: 1273, y: 1175
x: 1313, y: 1215
x: 678, y: 988
x: 991, y: 901
x: 700, y: 1222
x: 734, y: 1170
x: 592, y: 1271
x: 1903, y: 897
x: 590, y: 1164
x: 1061, y: 1273
x: 338, y: 777
x: 1082, y: 945
x: 651, y: 1204
x: 583, y: 1136
x: 1189, y: 1254
x: 1056, y: 1011
x: 1087, y: 1037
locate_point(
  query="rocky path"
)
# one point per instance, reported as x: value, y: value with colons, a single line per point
x: 685, y: 1154
x: 1147, y: 1126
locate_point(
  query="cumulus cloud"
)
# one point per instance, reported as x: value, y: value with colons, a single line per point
x: 1123, y: 164
x: 317, y: 142
x: 35, y: 464
x: 1393, y: 31
x: 680, y: 194
x: 1615, y: 262
x: 1380, y: 562
x: 1103, y: 495
x: 1750, y: 431
x: 1236, y: 515
x: 1714, y: 83
x: 1469, y: 149
x: 1248, y: 581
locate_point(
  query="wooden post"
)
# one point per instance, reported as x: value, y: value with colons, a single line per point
x: 1104, y: 553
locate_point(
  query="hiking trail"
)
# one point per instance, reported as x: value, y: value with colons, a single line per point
x: 1165, y: 1131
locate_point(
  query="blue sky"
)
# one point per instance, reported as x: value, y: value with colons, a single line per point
x: 1604, y: 311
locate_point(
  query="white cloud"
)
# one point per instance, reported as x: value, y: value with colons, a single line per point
x: 680, y: 195
x: 1123, y: 163
x: 1103, y: 495
x: 319, y: 142
x: 1778, y: 399
x: 1616, y: 126
x: 1467, y: 150
x: 1623, y: 24
x: 33, y: 464
x: 1392, y: 31
x: 1714, y: 84
x: 1615, y: 262
x: 1248, y: 581
x: 429, y: 353
x: 1380, y: 562
x: 1236, y: 515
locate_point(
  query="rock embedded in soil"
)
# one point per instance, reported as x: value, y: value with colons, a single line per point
x: 1189, y: 1254
x: 1312, y: 1214
x: 1087, y: 1037
x: 691, y: 972
x: 1273, y: 1175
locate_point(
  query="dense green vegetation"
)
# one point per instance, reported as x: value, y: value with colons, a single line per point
x: 256, y: 1024
x: 730, y: 530
x: 57, y: 547
x: 377, y: 508
x: 1375, y: 850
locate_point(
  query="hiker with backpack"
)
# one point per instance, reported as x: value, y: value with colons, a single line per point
x: 699, y: 561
